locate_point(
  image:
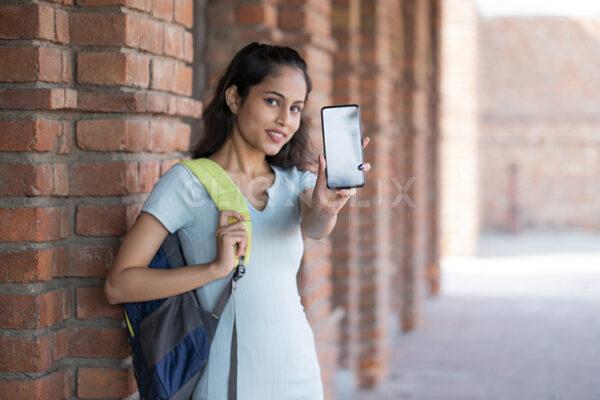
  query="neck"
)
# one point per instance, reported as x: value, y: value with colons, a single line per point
x: 237, y: 156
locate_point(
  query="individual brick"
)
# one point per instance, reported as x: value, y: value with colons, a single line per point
x: 38, y: 99
x: 88, y: 260
x: 33, y: 354
x: 163, y: 71
x: 113, y: 135
x: 61, y: 21
x: 109, y: 68
x: 98, y: 342
x: 30, y: 21
x: 149, y: 172
x: 98, y: 383
x: 18, y: 64
x: 128, y: 102
x: 34, y: 180
x: 163, y: 9
x: 143, y: 5
x: 257, y: 14
x: 174, y: 41
x: 92, y: 304
x: 105, y: 220
x: 27, y: 265
x: 35, y: 224
x: 29, y: 134
x: 56, y: 385
x: 104, y: 29
x: 184, y: 12
x: 153, y: 37
x: 103, y: 179
x: 183, y: 79
x: 188, y: 47
x: 34, y: 311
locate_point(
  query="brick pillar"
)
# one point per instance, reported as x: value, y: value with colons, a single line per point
x: 376, y: 90
x: 433, y: 145
x: 419, y: 86
x: 93, y: 103
x: 459, y: 128
x: 402, y: 184
x: 345, y: 238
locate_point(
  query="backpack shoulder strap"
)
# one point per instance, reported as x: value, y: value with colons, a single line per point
x: 226, y: 196
x: 223, y: 192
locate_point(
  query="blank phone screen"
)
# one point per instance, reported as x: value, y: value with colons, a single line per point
x: 343, y: 148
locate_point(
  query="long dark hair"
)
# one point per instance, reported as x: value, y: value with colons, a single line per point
x: 250, y: 65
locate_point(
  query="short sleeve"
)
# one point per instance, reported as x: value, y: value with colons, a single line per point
x: 307, y: 180
x: 169, y: 200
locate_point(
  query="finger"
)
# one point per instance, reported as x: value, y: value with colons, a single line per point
x: 322, y: 164
x: 241, y: 232
x: 321, y: 172
x: 232, y: 239
x: 231, y: 228
x: 223, y: 231
x: 242, y: 248
x: 365, y: 142
x: 365, y: 167
x: 225, y: 215
x: 237, y: 227
x: 345, y: 192
x: 239, y: 242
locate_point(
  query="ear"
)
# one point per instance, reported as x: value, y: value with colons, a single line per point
x: 232, y: 98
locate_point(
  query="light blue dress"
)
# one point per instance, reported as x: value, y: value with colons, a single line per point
x: 276, y: 350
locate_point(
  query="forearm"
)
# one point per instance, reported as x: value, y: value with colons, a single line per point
x: 318, y: 226
x: 141, y: 283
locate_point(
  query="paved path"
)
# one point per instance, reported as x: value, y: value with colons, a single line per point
x: 519, y: 322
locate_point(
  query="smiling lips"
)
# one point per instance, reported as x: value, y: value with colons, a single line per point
x: 275, y: 135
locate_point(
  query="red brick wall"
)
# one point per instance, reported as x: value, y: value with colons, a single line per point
x: 540, y: 123
x: 94, y: 99
x: 102, y: 105
x: 459, y: 215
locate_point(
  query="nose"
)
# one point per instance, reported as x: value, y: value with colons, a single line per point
x: 283, y: 117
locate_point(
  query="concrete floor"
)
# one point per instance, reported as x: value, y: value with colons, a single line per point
x: 521, y: 321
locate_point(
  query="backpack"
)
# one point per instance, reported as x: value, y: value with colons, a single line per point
x: 170, y: 338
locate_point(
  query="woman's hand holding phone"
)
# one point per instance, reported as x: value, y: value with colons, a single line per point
x: 328, y: 202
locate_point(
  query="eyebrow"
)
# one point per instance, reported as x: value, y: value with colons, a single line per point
x: 280, y: 95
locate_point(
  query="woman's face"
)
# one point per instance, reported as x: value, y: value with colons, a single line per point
x: 270, y: 114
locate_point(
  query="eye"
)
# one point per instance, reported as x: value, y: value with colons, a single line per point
x: 297, y: 108
x: 271, y: 101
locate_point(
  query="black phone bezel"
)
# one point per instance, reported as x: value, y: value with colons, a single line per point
x: 325, y: 151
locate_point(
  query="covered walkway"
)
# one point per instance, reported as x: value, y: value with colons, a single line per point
x: 519, y: 322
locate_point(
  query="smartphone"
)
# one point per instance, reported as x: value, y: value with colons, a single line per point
x: 342, y: 146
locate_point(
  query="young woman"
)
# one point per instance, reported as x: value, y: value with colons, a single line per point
x: 255, y: 131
